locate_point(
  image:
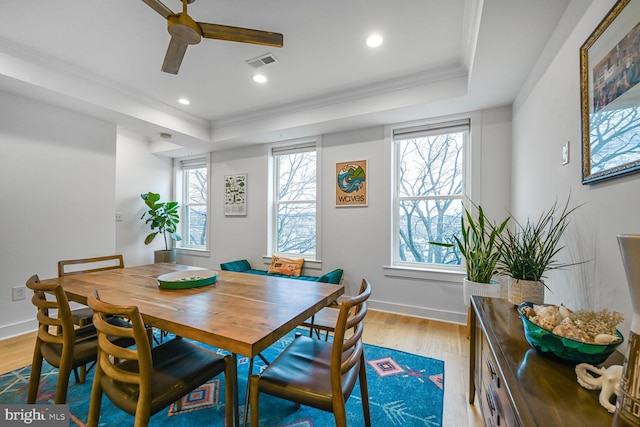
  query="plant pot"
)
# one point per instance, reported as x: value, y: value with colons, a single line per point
x: 164, y: 256
x: 493, y: 289
x: 520, y: 291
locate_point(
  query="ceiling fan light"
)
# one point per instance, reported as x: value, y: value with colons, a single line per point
x: 374, y: 40
x: 184, y: 101
x: 260, y: 78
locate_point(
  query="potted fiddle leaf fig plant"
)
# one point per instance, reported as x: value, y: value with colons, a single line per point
x: 530, y: 250
x: 163, y: 218
x: 478, y: 244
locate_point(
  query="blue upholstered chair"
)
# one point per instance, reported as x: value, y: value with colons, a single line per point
x: 238, y: 266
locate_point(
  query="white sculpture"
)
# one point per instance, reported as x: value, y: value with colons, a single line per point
x: 593, y: 378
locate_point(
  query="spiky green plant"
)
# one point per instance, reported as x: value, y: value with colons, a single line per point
x: 530, y: 250
x: 162, y: 217
x: 478, y: 244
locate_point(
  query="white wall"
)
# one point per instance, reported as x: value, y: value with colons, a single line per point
x: 138, y: 171
x: 57, y: 175
x: 81, y: 171
x: 543, y: 121
x: 357, y: 239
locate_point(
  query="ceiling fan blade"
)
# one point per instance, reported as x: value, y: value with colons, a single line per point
x: 175, y: 52
x: 159, y: 7
x: 242, y: 35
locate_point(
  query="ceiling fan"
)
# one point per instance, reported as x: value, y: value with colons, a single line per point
x: 185, y: 31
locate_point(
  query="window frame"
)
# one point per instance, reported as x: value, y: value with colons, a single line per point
x: 471, y: 157
x: 203, y: 160
x: 293, y: 146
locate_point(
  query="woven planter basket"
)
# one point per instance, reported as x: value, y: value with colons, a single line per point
x: 520, y: 291
x: 493, y: 289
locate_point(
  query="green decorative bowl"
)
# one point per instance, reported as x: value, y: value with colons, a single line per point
x: 565, y: 349
x: 187, y: 279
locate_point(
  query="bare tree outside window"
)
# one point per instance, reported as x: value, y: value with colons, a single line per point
x: 429, y: 197
x: 195, y: 207
x: 296, y: 203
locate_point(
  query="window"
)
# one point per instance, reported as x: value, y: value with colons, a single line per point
x: 294, y: 219
x: 428, y: 192
x: 193, y: 195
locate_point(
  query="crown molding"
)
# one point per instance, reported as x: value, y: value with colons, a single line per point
x: 449, y: 72
x: 82, y: 77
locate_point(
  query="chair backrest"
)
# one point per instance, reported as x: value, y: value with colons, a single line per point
x: 61, y: 322
x: 100, y: 263
x: 140, y: 354
x: 347, y: 341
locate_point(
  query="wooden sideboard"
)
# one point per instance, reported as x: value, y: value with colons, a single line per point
x: 516, y: 385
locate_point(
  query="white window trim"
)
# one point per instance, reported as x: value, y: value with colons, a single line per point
x: 271, y: 214
x: 178, y: 195
x: 471, y: 190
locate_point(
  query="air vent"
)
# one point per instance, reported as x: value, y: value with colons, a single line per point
x: 262, y: 60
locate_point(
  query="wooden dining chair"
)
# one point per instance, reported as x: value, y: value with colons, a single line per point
x: 83, y: 316
x: 143, y: 380
x: 325, y: 320
x: 67, y: 267
x: 58, y: 341
x: 319, y: 373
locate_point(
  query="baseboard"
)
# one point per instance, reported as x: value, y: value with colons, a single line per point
x: 16, y: 329
x: 424, y: 312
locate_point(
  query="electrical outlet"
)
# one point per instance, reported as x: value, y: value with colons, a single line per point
x: 118, y: 216
x: 18, y: 293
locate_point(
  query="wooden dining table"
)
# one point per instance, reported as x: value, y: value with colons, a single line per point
x: 241, y: 313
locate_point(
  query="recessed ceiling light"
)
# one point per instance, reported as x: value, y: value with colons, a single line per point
x: 374, y: 40
x: 184, y: 101
x: 259, y: 78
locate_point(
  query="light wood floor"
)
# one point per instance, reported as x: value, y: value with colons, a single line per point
x: 429, y: 338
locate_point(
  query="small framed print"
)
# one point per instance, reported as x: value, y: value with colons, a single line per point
x: 235, y: 195
x: 351, y: 183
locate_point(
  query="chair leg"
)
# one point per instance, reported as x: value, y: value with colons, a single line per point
x: 96, y: 399
x: 150, y: 336
x: 340, y: 414
x: 82, y: 375
x: 63, y: 380
x: 142, y: 418
x: 313, y: 318
x: 36, y: 369
x: 364, y: 392
x: 254, y: 402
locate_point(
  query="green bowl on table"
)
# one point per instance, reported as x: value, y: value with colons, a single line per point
x: 187, y: 279
x: 565, y: 349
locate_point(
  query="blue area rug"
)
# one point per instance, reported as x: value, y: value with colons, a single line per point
x: 404, y: 390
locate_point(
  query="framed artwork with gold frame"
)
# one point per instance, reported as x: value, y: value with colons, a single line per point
x: 610, y: 95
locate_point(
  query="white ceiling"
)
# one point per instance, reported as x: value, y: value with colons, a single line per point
x: 103, y: 58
